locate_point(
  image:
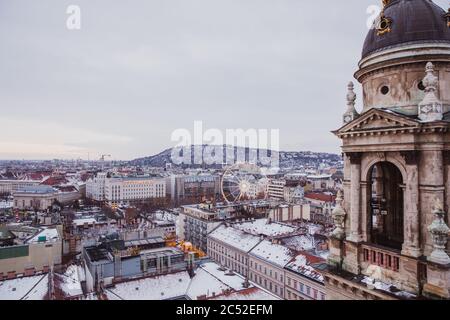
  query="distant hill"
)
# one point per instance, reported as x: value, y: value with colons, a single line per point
x: 291, y: 159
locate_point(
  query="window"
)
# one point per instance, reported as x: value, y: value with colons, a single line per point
x: 384, y: 90
x: 308, y: 290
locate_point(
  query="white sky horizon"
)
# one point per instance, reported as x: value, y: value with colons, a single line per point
x: 137, y: 71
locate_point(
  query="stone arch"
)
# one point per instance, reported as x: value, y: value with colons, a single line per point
x: 371, y: 160
x: 385, y: 192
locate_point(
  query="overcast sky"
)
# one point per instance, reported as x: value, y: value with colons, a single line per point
x: 140, y: 69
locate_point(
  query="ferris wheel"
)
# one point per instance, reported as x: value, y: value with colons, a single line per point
x: 243, y: 181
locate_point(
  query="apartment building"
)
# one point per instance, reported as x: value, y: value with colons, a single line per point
x: 229, y: 247
x: 125, y: 189
x: 275, y: 189
x: 130, y: 189
x: 95, y: 187
x: 302, y: 281
x: 11, y: 186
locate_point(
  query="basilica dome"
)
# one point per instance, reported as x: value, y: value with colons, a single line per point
x: 408, y: 22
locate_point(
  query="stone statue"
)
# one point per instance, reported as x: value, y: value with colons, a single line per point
x: 351, y: 113
x: 439, y: 233
x: 338, y: 215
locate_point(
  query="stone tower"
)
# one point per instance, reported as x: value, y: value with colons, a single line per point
x: 391, y: 231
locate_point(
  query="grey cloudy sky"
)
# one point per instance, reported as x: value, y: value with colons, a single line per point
x: 139, y: 69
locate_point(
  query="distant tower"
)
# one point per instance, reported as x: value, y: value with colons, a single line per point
x: 391, y: 236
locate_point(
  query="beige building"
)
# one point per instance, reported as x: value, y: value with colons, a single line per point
x: 11, y: 186
x: 229, y: 247
x: 303, y: 281
x: 35, y: 198
x: 290, y: 212
x: 34, y: 250
x: 42, y: 197
x: 275, y: 189
x: 267, y: 262
x: 391, y: 233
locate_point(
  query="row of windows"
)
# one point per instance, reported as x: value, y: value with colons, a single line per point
x: 305, y: 289
x: 269, y: 285
x: 237, y: 262
x: 270, y: 272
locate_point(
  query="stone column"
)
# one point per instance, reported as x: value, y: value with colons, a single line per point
x: 411, y: 220
x: 446, y: 156
x: 431, y: 179
x: 355, y: 197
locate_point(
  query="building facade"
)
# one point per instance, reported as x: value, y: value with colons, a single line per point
x: 391, y: 233
x: 275, y: 189
x: 134, y: 189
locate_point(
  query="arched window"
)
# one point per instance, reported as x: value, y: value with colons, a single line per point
x: 386, y: 205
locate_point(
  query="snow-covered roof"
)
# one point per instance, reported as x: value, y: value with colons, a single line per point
x: 273, y: 253
x: 250, y: 294
x: 389, y: 288
x: 263, y: 227
x: 299, y: 242
x: 164, y: 287
x: 82, y: 221
x: 234, y: 237
x: 204, y: 284
x: 50, y: 234
x: 234, y: 281
x: 69, y: 282
x: 26, y: 288
x: 301, y: 265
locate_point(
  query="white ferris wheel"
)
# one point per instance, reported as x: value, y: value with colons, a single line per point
x: 243, y: 181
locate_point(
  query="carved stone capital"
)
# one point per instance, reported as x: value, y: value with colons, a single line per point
x: 411, y: 157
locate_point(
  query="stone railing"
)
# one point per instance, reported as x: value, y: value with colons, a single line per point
x: 380, y: 257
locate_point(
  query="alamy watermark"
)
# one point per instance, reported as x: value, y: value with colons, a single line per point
x: 73, y: 21
x: 215, y: 147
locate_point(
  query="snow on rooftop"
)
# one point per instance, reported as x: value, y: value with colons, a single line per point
x: 251, y: 294
x: 82, y: 221
x: 69, y: 282
x: 300, y: 242
x: 203, y: 283
x: 233, y: 281
x: 26, y: 288
x: 235, y: 237
x: 301, y: 265
x: 262, y: 227
x: 387, y: 288
x: 50, y: 234
x: 273, y: 253
x: 156, y: 288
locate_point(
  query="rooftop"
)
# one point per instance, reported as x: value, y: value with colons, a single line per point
x: 235, y: 237
x: 263, y: 227
x: 274, y: 253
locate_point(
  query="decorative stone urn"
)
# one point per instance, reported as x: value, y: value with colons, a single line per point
x: 439, y: 233
x: 430, y: 109
x: 338, y: 216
